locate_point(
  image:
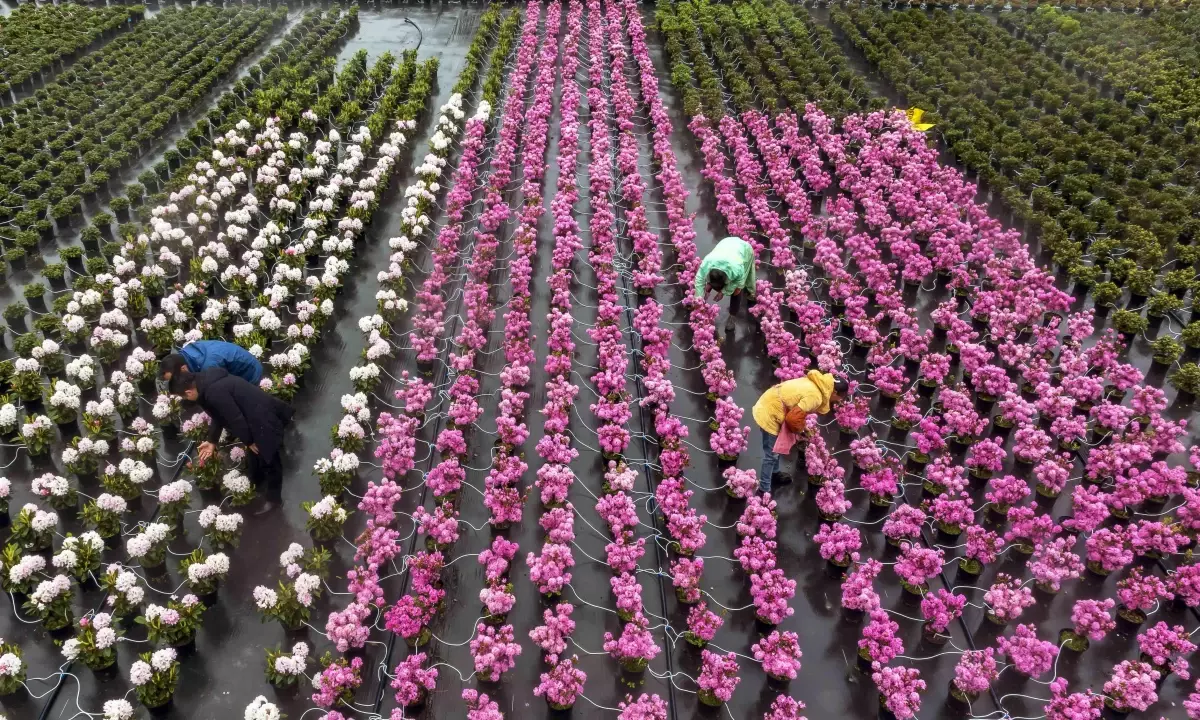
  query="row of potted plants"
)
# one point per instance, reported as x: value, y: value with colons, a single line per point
x: 1145, y: 60
x: 39, y: 36
x: 87, y: 130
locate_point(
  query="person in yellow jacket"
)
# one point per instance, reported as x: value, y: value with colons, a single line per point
x: 816, y: 392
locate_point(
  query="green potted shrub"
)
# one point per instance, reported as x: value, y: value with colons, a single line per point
x: 1186, y: 380
x: 14, y: 315
x: 120, y: 207
x: 35, y: 295
x: 1190, y: 336
x: 1107, y: 294
x: 1166, y: 350
x: 1162, y: 304
x: 90, y: 237
x: 1178, y: 282
x: 15, y: 258
x: 73, y: 256
x: 96, y: 265
x: 1128, y: 322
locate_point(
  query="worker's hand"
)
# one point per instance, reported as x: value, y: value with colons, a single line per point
x: 254, y: 448
x: 205, y: 451
x: 737, y: 292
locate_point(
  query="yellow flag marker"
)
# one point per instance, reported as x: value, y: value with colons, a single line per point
x: 914, y: 116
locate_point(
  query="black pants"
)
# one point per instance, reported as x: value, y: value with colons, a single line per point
x: 735, y: 302
x: 266, y: 474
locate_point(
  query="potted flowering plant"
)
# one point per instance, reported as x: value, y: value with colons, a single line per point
x: 239, y: 487
x: 12, y: 668
x: 154, y: 676
x: 149, y: 547
x: 562, y: 685
x: 285, y: 668
x: 973, y: 675
x: 222, y: 529
x: 174, y: 625
x: 290, y: 604
x: 57, y: 491
x: 95, y: 642
x: 51, y: 603
x: 204, y: 572
x: 208, y: 473
x: 80, y: 556
x: 125, y: 479
x: 336, y: 471
x: 718, y: 678
x: 37, y: 434
x: 33, y: 528
x: 103, y: 514
x: 325, y: 518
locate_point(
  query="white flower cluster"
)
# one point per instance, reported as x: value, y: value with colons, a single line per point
x: 126, y: 584
x: 356, y: 405
x: 66, y: 395
x: 151, y: 536
x: 50, y: 590
x: 265, y: 597
x: 40, y: 520
x: 370, y: 371
x: 112, y: 503
x: 40, y: 424
x: 25, y: 568
x: 137, y: 471
x: 10, y: 665
x: 306, y: 585
x: 174, y: 492
x: 235, y: 482
x: 8, y: 415
x: 215, y: 565
x: 349, y: 427
x: 294, y: 664
x: 260, y: 709
x: 82, y: 369
x: 51, y: 484
x: 118, y: 710
x: 325, y: 507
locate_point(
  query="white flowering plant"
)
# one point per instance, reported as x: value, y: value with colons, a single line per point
x: 239, y: 487
x: 56, y: 490
x: 154, y: 677
x: 365, y: 377
x: 325, y: 518
x: 20, y: 570
x: 62, y: 404
x: 336, y: 471
x: 80, y: 555
x: 50, y: 602
x: 103, y: 514
x: 290, y: 604
x: 222, y: 529
x: 125, y: 595
x: 83, y: 456
x: 173, y: 501
x: 285, y: 668
x: 149, y: 546
x: 203, y: 572
x: 126, y: 478
x: 12, y: 668
x: 5, y: 493
x: 260, y: 709
x: 175, y: 624
x: 100, y: 418
x: 95, y: 641
x: 82, y: 371
x: 27, y: 379
x: 37, y: 434
x: 140, y: 441
x: 33, y: 528
x: 166, y: 409
x: 10, y: 417
x: 196, y: 427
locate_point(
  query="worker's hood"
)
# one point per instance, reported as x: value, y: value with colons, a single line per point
x: 824, y: 384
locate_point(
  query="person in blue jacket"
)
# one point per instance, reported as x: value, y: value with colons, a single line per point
x: 205, y: 354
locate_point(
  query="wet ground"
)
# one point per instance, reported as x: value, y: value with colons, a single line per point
x: 225, y: 671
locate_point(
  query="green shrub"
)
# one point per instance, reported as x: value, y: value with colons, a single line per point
x: 1186, y: 379
x: 1129, y: 322
x: 1163, y: 303
x: 1166, y: 350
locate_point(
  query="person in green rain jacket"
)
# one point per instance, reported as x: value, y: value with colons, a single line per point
x: 728, y: 269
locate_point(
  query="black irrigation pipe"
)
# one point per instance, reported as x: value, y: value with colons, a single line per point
x: 62, y: 673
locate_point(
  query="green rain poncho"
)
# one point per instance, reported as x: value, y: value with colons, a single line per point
x: 734, y: 257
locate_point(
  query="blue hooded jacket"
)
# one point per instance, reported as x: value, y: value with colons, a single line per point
x: 236, y: 360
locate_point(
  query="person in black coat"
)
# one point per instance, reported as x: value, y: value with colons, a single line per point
x: 249, y: 414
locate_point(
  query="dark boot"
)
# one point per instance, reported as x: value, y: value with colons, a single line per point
x: 779, y: 480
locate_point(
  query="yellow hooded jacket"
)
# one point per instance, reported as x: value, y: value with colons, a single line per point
x: 811, y: 393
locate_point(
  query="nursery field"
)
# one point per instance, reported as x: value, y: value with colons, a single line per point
x: 522, y: 474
